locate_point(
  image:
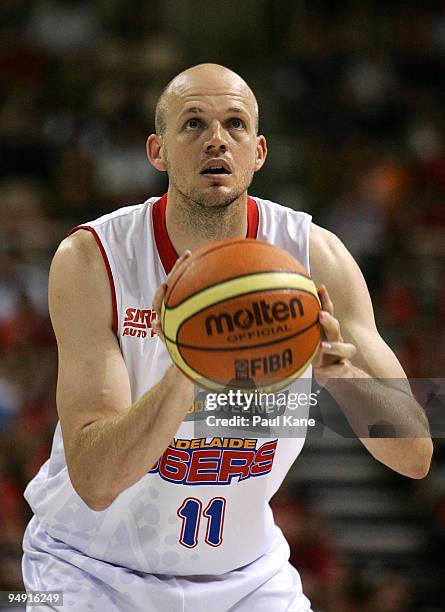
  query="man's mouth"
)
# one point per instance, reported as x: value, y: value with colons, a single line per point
x: 216, y: 168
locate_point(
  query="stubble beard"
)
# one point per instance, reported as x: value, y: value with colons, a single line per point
x: 213, y: 217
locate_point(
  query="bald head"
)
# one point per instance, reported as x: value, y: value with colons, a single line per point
x: 203, y: 78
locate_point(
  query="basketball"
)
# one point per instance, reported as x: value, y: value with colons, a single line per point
x: 241, y: 313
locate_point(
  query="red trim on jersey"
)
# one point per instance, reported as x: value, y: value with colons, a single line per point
x: 253, y: 218
x: 164, y: 245
x: 107, y: 266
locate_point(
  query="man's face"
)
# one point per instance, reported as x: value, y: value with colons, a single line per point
x: 210, y: 145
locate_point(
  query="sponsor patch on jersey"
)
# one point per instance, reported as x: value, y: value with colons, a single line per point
x: 138, y: 322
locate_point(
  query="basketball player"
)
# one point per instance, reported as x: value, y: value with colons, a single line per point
x: 131, y: 512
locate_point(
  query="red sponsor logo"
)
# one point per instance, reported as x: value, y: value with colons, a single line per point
x: 138, y: 322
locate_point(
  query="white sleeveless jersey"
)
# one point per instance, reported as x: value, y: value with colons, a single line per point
x: 204, y: 507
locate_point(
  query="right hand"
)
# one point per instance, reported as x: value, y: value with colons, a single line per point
x: 160, y: 294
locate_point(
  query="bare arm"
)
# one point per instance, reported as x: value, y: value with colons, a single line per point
x: 109, y: 443
x: 357, y: 352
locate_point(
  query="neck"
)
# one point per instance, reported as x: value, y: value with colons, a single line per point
x: 191, y: 225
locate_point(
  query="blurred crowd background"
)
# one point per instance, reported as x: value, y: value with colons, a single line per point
x: 352, y: 97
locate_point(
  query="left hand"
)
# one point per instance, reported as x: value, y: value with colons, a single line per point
x: 333, y: 359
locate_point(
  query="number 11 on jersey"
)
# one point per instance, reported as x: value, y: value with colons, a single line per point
x: 191, y: 511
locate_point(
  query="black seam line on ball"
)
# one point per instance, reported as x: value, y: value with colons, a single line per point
x: 243, y: 348
x: 240, y: 295
x: 226, y: 280
x: 211, y: 250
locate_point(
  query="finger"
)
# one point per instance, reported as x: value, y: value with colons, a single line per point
x: 322, y: 359
x: 179, y: 262
x: 343, y: 350
x: 331, y: 327
x: 157, y: 328
x: 158, y: 297
x: 326, y: 302
x: 162, y: 290
x: 337, y: 370
x: 326, y: 360
x: 318, y: 357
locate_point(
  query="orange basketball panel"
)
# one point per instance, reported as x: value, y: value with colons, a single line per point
x: 225, y: 259
x: 265, y: 365
x: 250, y: 320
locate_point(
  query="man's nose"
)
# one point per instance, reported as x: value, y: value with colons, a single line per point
x: 216, y: 140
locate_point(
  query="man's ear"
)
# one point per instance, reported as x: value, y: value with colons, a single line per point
x: 155, y: 152
x: 261, y: 152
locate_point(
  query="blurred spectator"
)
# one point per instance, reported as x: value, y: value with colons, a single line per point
x: 311, y: 548
x: 23, y: 224
x: 63, y: 26
x: 350, y: 593
x: 122, y: 168
x: 9, y: 403
x: 392, y: 594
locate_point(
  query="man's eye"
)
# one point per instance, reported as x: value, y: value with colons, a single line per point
x: 236, y: 123
x: 192, y: 124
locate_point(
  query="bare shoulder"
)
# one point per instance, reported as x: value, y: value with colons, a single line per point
x: 79, y: 248
x: 78, y: 281
x: 329, y: 258
x: 332, y: 265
